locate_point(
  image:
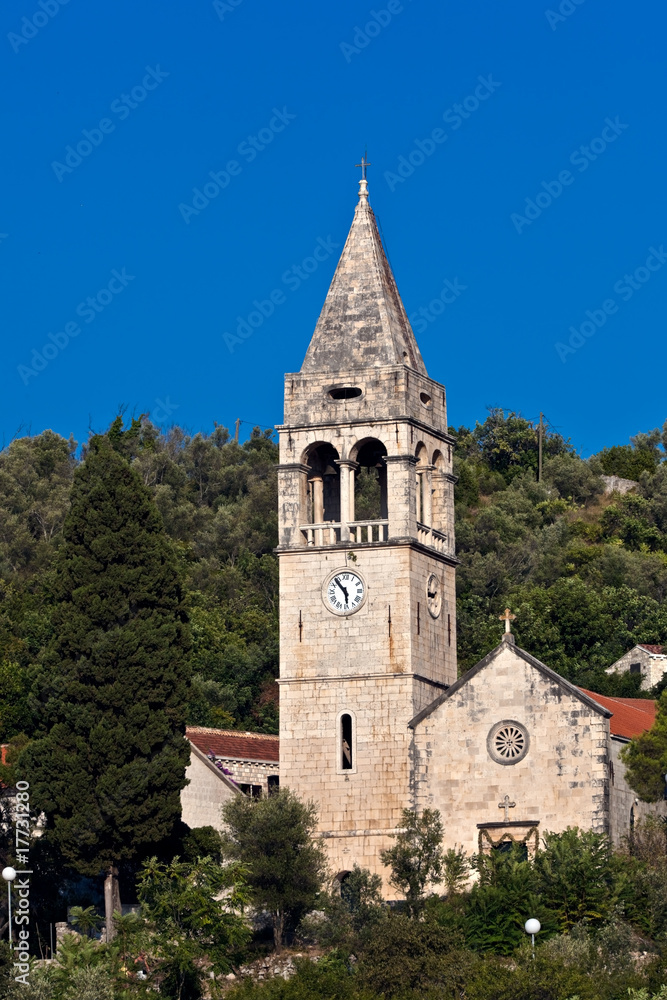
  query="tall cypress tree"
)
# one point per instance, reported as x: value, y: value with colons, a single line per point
x: 109, y: 765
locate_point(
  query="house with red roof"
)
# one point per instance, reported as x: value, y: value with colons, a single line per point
x: 646, y: 659
x: 224, y: 763
x: 630, y: 718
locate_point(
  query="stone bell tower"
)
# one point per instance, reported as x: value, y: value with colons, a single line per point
x: 367, y: 563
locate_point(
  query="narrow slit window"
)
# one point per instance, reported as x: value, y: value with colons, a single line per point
x: 346, y: 742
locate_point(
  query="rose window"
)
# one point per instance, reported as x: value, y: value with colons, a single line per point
x: 507, y: 742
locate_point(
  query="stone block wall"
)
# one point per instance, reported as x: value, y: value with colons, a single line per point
x: 625, y: 807
x: 652, y: 666
x: 316, y: 643
x: 208, y: 790
x: 563, y: 779
x: 358, y: 808
x: 251, y: 772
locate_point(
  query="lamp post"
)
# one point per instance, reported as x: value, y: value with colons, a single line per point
x: 532, y: 927
x: 9, y: 874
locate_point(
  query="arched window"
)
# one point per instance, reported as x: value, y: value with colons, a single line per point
x: 423, y: 486
x: 370, y: 483
x: 346, y: 743
x: 439, y: 486
x: 323, y: 484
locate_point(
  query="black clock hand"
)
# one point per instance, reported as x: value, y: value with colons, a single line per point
x: 344, y: 589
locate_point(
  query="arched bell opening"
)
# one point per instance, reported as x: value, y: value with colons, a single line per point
x: 323, y: 484
x: 439, y: 487
x: 423, y: 486
x: 370, y: 482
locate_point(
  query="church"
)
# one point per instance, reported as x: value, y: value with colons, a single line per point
x: 373, y: 717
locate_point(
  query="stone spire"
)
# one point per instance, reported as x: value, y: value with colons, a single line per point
x: 363, y: 323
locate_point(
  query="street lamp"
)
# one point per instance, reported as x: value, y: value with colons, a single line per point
x: 9, y: 874
x: 532, y: 927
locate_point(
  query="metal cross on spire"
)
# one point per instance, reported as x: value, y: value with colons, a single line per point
x: 507, y: 617
x: 364, y: 164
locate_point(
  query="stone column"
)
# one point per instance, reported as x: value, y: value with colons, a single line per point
x: 427, y: 495
x: 440, y: 486
x: 401, y: 496
x: 318, y: 499
x: 347, y: 470
x: 448, y: 509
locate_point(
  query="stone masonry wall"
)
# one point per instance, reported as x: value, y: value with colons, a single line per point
x: 653, y: 666
x: 624, y: 806
x: 562, y: 781
x: 202, y: 800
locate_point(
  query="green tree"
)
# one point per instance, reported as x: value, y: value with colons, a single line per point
x: 109, y: 762
x: 195, y: 910
x: 416, y: 858
x: 645, y: 757
x: 84, y: 919
x: 274, y: 837
x: 415, y: 958
x: 579, y: 875
x: 629, y: 461
x: 502, y: 899
x: 35, y: 479
x: 455, y: 870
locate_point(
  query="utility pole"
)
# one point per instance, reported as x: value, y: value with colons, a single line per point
x: 236, y: 432
x: 539, y: 450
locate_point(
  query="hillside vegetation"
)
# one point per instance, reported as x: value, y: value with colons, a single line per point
x: 585, y: 572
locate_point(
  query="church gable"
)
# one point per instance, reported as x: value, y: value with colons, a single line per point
x: 510, y: 751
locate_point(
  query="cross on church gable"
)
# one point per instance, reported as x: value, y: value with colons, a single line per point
x: 507, y: 617
x: 506, y: 805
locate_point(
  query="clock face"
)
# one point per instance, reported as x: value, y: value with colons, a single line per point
x: 433, y: 595
x: 344, y: 592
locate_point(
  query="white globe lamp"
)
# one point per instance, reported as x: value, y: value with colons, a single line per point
x: 532, y: 927
x: 9, y: 874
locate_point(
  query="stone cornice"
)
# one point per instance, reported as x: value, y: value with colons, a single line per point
x: 370, y: 422
x: 317, y: 678
x: 442, y: 557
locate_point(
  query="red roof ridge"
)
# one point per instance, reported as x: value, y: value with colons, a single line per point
x: 229, y: 744
x: 207, y: 730
x: 630, y: 716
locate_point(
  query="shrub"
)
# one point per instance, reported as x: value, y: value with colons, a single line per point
x: 405, y: 955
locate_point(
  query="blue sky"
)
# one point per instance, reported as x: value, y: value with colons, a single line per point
x: 560, y: 118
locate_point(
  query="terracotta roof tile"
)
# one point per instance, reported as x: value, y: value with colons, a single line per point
x: 651, y: 649
x: 234, y: 746
x: 631, y: 716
